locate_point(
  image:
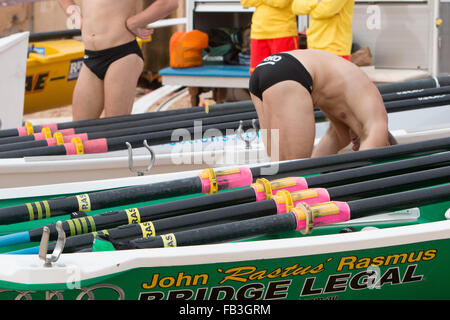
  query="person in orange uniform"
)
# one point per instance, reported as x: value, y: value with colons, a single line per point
x: 330, y: 24
x: 273, y: 30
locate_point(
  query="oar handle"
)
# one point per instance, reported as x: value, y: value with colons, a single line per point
x: 286, y: 201
x: 214, y: 181
x: 310, y: 216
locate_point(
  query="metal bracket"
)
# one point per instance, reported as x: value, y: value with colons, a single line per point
x: 131, y: 161
x: 59, y: 246
x: 240, y: 131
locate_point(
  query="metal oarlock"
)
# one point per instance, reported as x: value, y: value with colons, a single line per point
x: 59, y: 246
x: 131, y: 161
x: 240, y: 131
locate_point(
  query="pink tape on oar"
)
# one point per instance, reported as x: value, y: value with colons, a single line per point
x: 226, y: 179
x: 71, y: 149
x: 67, y: 132
x: 39, y: 136
x: 322, y: 214
x: 89, y: 146
x: 95, y: 146
x: 343, y: 215
x: 22, y: 131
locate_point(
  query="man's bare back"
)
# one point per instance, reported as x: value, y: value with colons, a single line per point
x: 285, y: 93
x: 344, y: 93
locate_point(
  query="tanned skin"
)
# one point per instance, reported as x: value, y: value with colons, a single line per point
x: 107, y: 24
x: 343, y: 92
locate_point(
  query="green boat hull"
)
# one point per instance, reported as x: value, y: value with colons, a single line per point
x: 386, y: 266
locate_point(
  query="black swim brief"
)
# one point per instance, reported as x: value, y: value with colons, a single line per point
x: 99, y: 61
x: 276, y: 68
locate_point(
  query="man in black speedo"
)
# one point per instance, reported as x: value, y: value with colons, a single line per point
x: 286, y: 87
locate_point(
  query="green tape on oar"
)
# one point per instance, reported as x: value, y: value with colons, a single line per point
x: 102, y: 245
x: 221, y: 180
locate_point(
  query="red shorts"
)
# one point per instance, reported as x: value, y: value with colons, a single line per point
x: 262, y: 48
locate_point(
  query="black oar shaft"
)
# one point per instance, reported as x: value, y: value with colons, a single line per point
x: 134, y: 130
x: 410, y: 94
x: 349, y: 160
x: 378, y: 170
x: 174, y: 223
x: 398, y: 201
x: 142, y: 125
x: 289, y: 221
x: 219, y: 233
x: 112, y: 219
x: 411, y: 104
x: 155, y: 138
x: 119, y: 143
x: 422, y: 178
x: 414, y: 84
x: 98, y: 200
x: 178, y: 121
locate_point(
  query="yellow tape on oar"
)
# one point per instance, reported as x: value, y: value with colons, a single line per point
x: 29, y: 128
x: 47, y: 132
x: 284, y: 196
x: 84, y: 202
x: 148, y: 229
x: 78, y: 145
x: 169, y: 240
x: 41, y: 208
x: 133, y: 216
x: 211, y: 175
x: 264, y: 185
x: 59, y: 138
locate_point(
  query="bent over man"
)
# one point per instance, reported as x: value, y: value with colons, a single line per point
x: 286, y: 87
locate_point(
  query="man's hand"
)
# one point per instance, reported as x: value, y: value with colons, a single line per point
x: 355, y: 140
x: 75, y: 19
x: 139, y: 32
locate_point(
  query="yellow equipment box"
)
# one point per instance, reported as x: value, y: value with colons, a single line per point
x: 52, y: 70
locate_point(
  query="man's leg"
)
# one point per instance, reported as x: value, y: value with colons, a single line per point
x: 88, y: 99
x: 120, y: 85
x: 287, y: 106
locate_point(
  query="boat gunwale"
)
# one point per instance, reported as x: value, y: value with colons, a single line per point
x: 29, y: 270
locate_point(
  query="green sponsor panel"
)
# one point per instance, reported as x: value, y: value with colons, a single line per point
x: 413, y: 271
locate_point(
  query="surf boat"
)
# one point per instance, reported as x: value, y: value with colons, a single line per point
x: 370, y: 224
